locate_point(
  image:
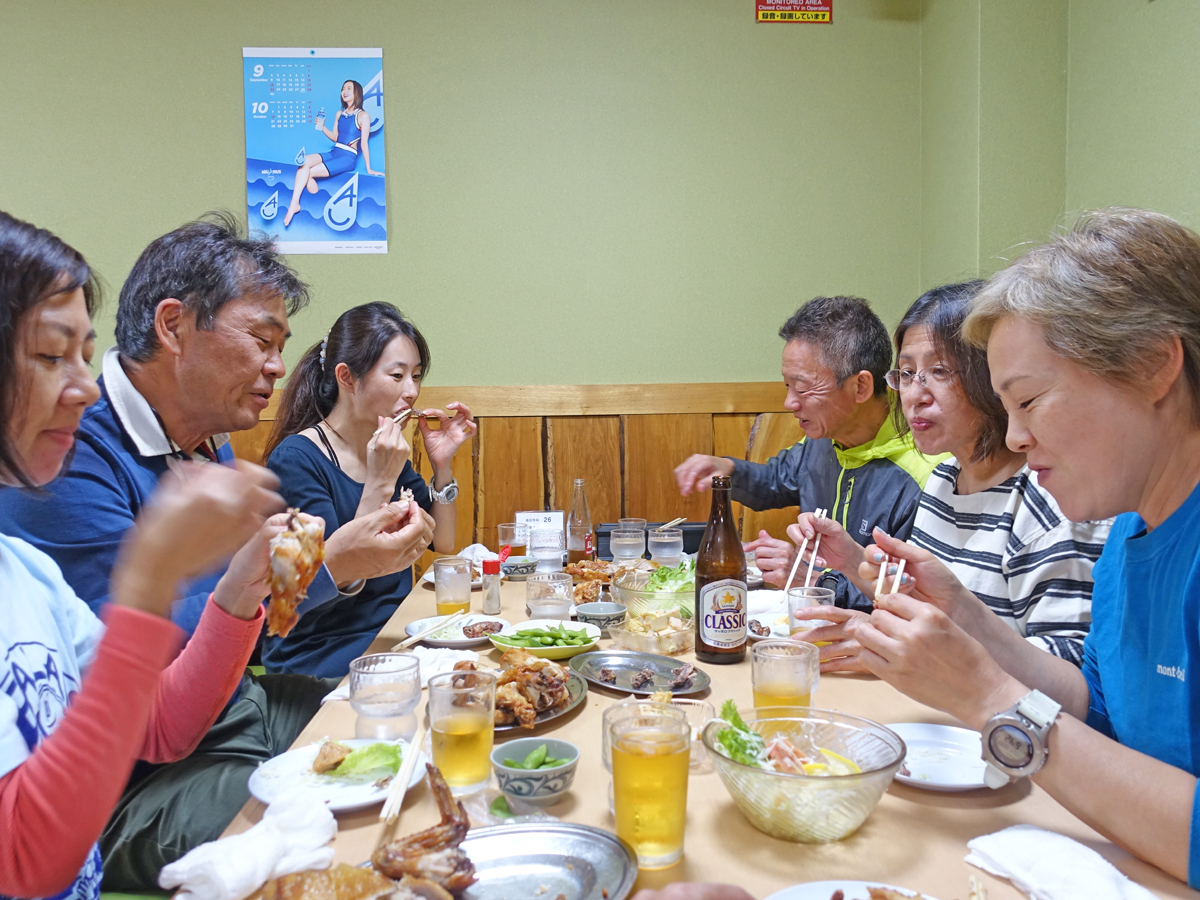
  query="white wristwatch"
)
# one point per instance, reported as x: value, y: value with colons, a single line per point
x: 1014, y: 741
x: 446, y: 495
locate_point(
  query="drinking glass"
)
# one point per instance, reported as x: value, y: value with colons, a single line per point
x: 631, y: 524
x: 802, y: 598
x: 650, y: 780
x: 666, y: 545
x: 452, y: 584
x: 784, y: 673
x: 622, y: 709
x: 627, y: 544
x: 548, y: 595
x: 461, y: 719
x: 515, y: 536
x: 698, y: 713
x: 548, y: 545
x: 384, y: 690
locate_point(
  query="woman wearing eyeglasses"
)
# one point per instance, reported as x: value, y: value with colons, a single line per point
x: 982, y: 512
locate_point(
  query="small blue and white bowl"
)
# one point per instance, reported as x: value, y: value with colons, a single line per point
x: 541, y: 787
x: 602, y: 614
x: 518, y: 568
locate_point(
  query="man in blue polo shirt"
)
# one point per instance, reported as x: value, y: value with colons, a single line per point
x: 201, y: 326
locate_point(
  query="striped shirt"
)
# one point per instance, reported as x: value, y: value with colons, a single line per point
x: 1012, y: 547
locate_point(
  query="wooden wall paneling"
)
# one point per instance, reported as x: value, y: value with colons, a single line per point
x: 587, y: 447
x: 510, y: 472
x: 653, y: 446
x: 463, y: 466
x: 249, y: 445
x: 611, y: 399
x: 731, y: 437
x: 772, y: 432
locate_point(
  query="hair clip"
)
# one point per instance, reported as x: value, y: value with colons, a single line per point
x: 324, y: 344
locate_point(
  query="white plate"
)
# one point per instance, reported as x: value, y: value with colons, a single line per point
x: 777, y: 622
x: 941, y: 757
x: 851, y: 890
x: 292, y: 771
x: 453, y: 643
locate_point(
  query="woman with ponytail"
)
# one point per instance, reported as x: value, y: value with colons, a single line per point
x: 339, y: 455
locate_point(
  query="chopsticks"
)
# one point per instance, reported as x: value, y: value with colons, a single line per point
x: 395, y: 799
x: 670, y: 524
x: 820, y: 514
x: 449, y: 620
x: 883, y: 573
x: 401, y: 418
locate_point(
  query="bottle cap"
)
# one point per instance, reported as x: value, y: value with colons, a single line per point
x: 491, y: 567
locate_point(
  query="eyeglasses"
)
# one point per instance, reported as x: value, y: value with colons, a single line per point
x: 902, y: 379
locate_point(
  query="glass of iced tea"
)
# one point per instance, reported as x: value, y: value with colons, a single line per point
x: 452, y: 584
x: 784, y: 673
x: 803, y: 598
x: 515, y: 536
x: 461, y: 719
x: 650, y: 752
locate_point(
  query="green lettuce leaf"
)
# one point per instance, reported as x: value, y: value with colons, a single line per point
x: 739, y: 741
x: 368, y: 759
x: 673, y: 579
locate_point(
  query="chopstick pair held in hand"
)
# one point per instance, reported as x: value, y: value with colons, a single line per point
x: 883, y: 573
x: 820, y: 514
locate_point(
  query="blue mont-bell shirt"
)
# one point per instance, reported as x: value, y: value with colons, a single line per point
x: 1137, y: 659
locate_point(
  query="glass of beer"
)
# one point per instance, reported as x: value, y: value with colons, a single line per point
x: 784, y: 673
x: 650, y: 752
x: 803, y: 598
x: 515, y: 537
x: 461, y: 718
x: 452, y: 584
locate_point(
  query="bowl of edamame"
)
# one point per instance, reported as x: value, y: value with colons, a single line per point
x: 548, y: 638
x: 536, y: 770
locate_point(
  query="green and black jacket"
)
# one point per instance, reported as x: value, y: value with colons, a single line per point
x: 877, y: 484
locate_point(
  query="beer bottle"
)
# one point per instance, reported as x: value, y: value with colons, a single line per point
x: 580, y: 540
x: 720, y: 584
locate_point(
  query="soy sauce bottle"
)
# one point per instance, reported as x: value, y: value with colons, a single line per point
x: 720, y: 618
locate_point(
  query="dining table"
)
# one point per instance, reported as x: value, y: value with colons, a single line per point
x: 915, y: 839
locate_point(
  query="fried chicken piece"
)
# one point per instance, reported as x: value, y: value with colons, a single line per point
x: 432, y: 854
x: 642, y: 678
x: 330, y: 756
x: 683, y: 675
x: 466, y: 680
x: 542, y: 681
x: 510, y: 700
x: 342, y: 882
x: 608, y: 676
x: 587, y: 592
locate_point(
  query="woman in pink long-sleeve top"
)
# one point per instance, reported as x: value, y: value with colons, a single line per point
x: 80, y: 699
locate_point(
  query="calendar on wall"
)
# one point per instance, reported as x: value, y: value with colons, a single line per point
x: 315, y: 162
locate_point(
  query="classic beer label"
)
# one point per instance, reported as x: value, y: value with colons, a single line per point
x: 722, y: 612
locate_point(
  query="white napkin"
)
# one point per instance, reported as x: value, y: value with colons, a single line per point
x: 293, y: 836
x: 434, y: 661
x: 476, y: 553
x: 1050, y: 866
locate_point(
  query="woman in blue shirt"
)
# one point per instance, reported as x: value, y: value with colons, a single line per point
x: 1094, y: 347
x: 339, y: 455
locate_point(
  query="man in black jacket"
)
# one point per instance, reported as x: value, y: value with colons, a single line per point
x: 850, y: 461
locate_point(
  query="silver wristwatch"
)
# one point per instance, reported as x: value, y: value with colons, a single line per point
x: 1014, y: 741
x: 446, y: 495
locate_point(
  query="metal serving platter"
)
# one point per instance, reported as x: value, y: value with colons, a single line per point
x: 627, y: 663
x: 547, y: 860
x: 577, y: 690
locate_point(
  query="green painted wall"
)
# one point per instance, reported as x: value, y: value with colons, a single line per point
x: 579, y: 192
x: 1134, y: 101
x: 993, y: 131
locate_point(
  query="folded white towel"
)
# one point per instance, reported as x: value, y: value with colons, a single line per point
x: 1050, y: 866
x: 293, y: 836
x: 434, y: 661
x: 765, y: 601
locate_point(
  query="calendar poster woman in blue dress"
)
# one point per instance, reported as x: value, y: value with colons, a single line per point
x: 351, y: 130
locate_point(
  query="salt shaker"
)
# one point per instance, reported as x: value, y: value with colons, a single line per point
x: 491, y: 587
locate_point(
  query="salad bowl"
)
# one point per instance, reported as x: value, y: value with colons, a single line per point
x: 664, y: 588
x: 810, y: 808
